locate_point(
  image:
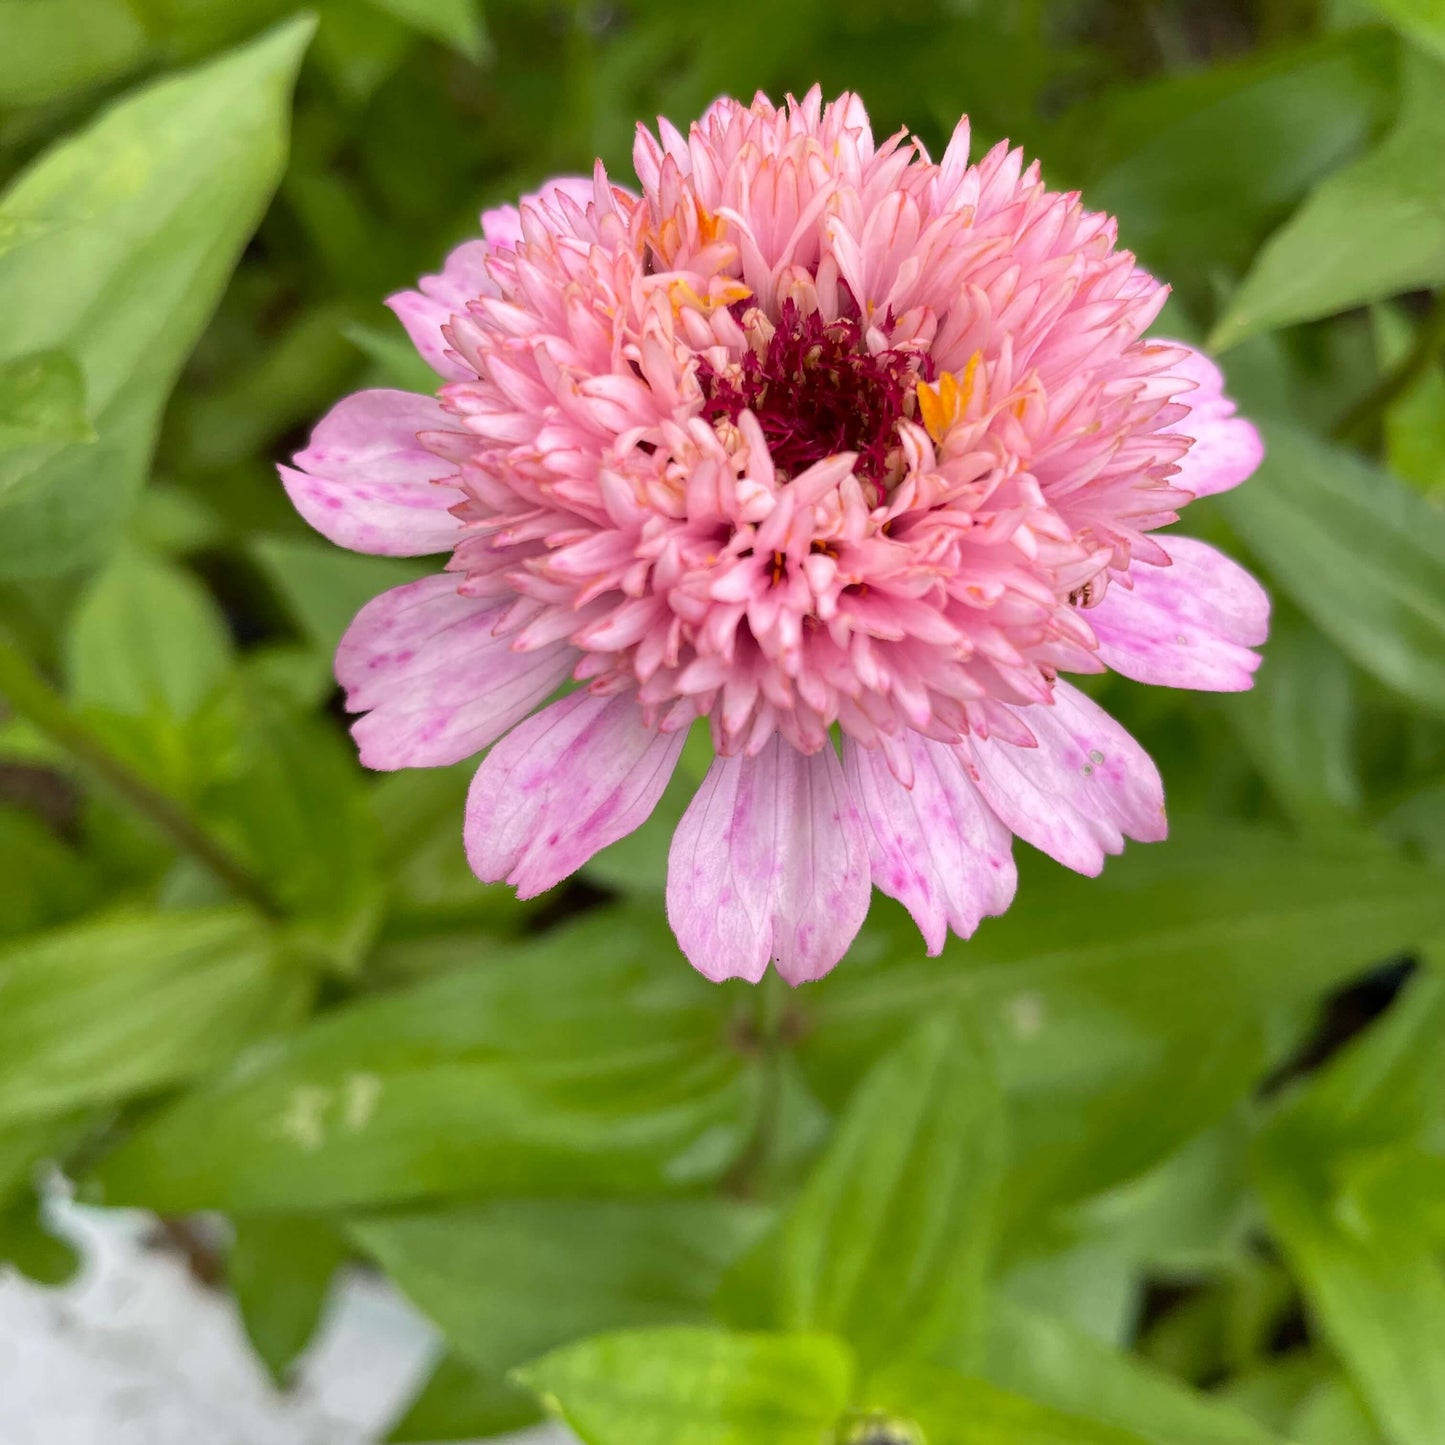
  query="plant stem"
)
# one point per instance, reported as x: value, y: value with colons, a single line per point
x: 752, y: 1177
x: 31, y: 697
x: 1429, y: 340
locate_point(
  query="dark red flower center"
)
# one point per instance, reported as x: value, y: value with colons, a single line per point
x: 816, y: 390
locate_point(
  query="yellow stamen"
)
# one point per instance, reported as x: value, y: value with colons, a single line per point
x: 942, y: 403
x: 709, y: 226
x: 722, y: 292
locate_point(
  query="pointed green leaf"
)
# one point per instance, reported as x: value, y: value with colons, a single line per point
x: 511, y: 1280
x: 1195, y: 165
x: 293, y: 802
x: 1370, y: 231
x: 1105, y: 996
x: 42, y: 400
x: 1381, y: 1305
x: 1361, y: 553
x: 280, y: 1271
x: 457, y: 23
x: 53, y: 47
x: 129, y: 1004
x: 696, y: 1387
x: 42, y: 881
x: 1333, y: 1414
x: 1060, y: 1365
x: 888, y: 1242
x: 1422, y: 20
x: 592, y: 1061
x: 1380, y: 1296
x: 461, y: 1402
x: 1298, y: 724
x: 146, y: 639
x: 24, y: 1147
x: 392, y: 350
x: 1415, y: 421
x: 324, y: 587
x: 28, y: 1245
x: 147, y: 210
x: 944, y: 1408
x: 1397, y: 1193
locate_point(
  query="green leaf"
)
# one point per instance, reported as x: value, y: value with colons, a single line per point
x: 510, y: 1280
x: 1415, y: 422
x: 1396, y: 1193
x: 1059, y: 1365
x: 1270, y: 1392
x: 24, y: 1147
x: 461, y: 1402
x: 292, y: 801
x: 56, y: 46
x: 1195, y: 166
x: 26, y: 1243
x: 591, y: 1061
x: 949, y: 1409
x: 146, y: 652
x: 888, y: 1242
x: 391, y: 349
x: 1379, y: 1297
x: 146, y: 640
x: 174, y: 523
x: 1189, y: 1216
x: 1422, y: 20
x: 42, y: 881
x: 696, y: 1387
x: 1333, y: 1414
x: 436, y: 906
x: 324, y: 587
x: 1093, y: 1284
x: 1372, y: 230
x: 1128, y: 1012
x: 126, y: 1005
x: 1360, y: 553
x: 280, y: 1270
x: 148, y: 209
x: 1388, y: 1085
x: 1382, y: 1307
x: 295, y: 380
x: 1086, y: 1268
x: 359, y: 48
x: 1299, y: 724
x: 42, y: 400
x: 457, y: 23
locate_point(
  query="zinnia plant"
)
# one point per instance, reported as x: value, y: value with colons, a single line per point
x: 852, y: 454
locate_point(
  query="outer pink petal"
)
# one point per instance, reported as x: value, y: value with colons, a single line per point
x: 1085, y: 788
x: 1191, y: 624
x: 366, y: 482
x: 463, y: 278
x: 578, y: 776
x: 937, y: 848
x: 770, y: 861
x: 436, y: 685
x: 1227, y: 448
x: 437, y: 299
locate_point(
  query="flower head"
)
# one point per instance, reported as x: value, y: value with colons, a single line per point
x: 849, y: 453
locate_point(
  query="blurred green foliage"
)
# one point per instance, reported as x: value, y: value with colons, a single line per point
x: 1155, y: 1158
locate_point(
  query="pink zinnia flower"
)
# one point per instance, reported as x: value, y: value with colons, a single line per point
x: 812, y: 436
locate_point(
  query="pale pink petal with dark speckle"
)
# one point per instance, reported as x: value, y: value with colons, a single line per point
x: 1191, y: 624
x: 770, y: 862
x: 581, y: 774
